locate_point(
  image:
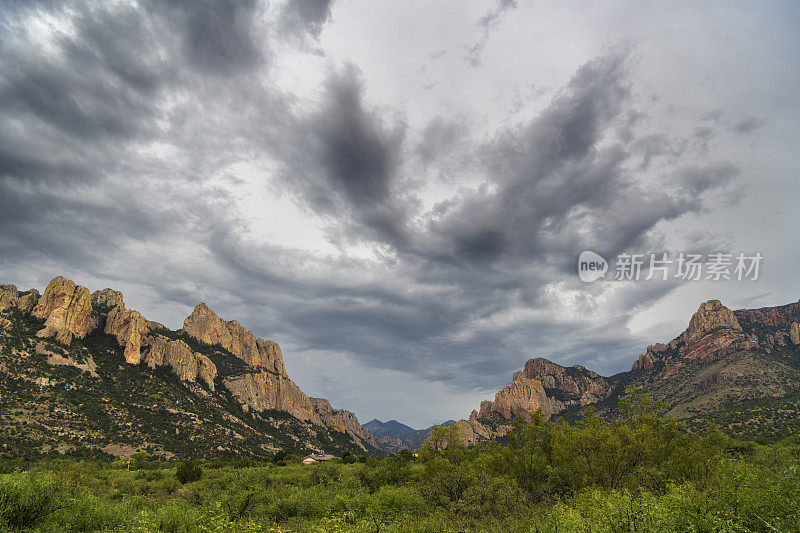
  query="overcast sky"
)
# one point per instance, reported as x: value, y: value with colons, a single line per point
x: 398, y: 192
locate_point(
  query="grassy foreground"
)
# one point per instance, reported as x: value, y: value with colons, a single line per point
x: 635, y: 473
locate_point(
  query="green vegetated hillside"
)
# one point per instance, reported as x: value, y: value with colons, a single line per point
x: 82, y: 375
x: 83, y: 400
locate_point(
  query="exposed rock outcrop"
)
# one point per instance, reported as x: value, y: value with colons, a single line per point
x: 522, y: 397
x: 154, y: 326
x: 574, y: 385
x: 722, y: 355
x: 342, y: 421
x: 107, y: 298
x: 28, y: 301
x: 543, y: 385
x: 548, y: 386
x: 66, y: 309
x: 204, y: 325
x: 9, y: 296
x: 135, y: 405
x: 186, y: 364
x: 711, y: 316
x: 780, y: 317
x: 473, y: 430
x: 715, y: 332
x: 130, y: 328
x: 262, y: 391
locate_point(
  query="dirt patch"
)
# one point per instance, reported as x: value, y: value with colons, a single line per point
x: 119, y: 450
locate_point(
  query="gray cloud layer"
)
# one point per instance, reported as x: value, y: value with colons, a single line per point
x: 117, y: 136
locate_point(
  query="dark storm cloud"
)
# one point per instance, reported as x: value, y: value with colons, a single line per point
x: 300, y: 17
x: 652, y: 146
x: 77, y: 111
x: 695, y: 180
x: 346, y: 160
x: 66, y: 117
x: 554, y: 185
x: 357, y: 155
x: 219, y: 36
x: 96, y: 88
x: 544, y: 173
x: 558, y: 186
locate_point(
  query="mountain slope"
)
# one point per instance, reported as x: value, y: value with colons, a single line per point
x: 80, y: 373
x: 392, y: 428
x: 738, y: 369
x: 394, y: 436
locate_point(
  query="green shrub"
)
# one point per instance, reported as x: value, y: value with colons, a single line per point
x: 189, y: 471
x: 390, y: 503
x: 349, y: 458
x: 26, y: 498
x: 88, y: 513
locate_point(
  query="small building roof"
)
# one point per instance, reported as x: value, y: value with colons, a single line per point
x: 315, y: 458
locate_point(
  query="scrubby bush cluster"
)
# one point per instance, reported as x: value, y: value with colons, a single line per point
x: 189, y: 471
x: 635, y: 472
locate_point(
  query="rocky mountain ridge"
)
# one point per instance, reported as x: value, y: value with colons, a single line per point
x: 722, y: 359
x: 239, y: 382
x: 392, y: 428
x: 394, y: 436
x: 252, y: 374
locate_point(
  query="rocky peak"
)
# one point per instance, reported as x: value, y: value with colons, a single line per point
x: 715, y: 331
x: 545, y: 385
x: 262, y: 391
x: 28, y: 301
x: 9, y: 296
x: 711, y: 316
x: 108, y: 298
x: 782, y: 316
x: 522, y: 397
x: 541, y: 384
x: 66, y: 309
x: 205, y: 326
x: 647, y: 361
x: 775, y: 326
x: 539, y: 367
x: 575, y: 384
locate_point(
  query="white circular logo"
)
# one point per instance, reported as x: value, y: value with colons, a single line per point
x: 591, y: 266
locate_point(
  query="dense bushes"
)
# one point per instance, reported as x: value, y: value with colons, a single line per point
x: 27, y: 498
x: 188, y: 471
x: 634, y: 473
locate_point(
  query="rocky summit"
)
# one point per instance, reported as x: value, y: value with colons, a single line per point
x: 88, y: 376
x: 739, y: 369
x: 66, y: 309
x: 205, y: 326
